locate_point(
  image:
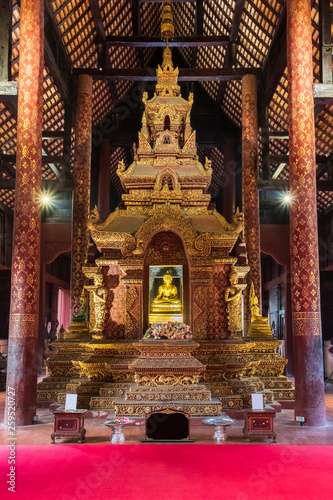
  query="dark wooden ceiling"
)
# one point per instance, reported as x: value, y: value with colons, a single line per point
x: 118, y: 41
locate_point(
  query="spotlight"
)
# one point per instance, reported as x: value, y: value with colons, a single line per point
x: 46, y: 199
x: 287, y: 198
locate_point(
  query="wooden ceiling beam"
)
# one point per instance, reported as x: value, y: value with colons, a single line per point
x: 55, y: 56
x: 97, y: 17
x: 177, y: 41
x: 198, y: 29
x: 45, y: 158
x: 185, y: 74
x: 53, y: 134
x: 103, y: 57
x: 279, y: 135
x: 230, y: 56
x: 136, y: 24
x: 285, y: 159
x: 47, y: 184
x: 275, y: 62
x: 283, y: 185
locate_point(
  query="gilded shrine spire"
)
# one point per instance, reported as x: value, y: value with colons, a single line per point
x: 167, y: 76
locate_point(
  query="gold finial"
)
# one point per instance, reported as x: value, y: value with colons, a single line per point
x: 167, y: 27
x: 167, y: 64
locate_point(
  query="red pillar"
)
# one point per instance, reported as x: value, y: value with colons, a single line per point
x: 24, y: 309
x: 288, y: 324
x: 305, y: 289
x: 229, y: 179
x: 104, y: 180
x: 81, y: 198
x: 250, y: 189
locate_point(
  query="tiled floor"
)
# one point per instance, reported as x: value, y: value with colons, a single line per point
x: 288, y: 432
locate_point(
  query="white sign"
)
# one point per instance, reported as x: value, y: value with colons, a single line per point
x: 71, y: 402
x: 257, y: 401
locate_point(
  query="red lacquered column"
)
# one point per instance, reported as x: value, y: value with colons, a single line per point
x: 229, y: 179
x: 250, y: 188
x: 24, y: 308
x: 81, y: 199
x: 104, y: 180
x: 305, y: 290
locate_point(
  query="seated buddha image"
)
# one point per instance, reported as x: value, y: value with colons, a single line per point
x: 166, y: 300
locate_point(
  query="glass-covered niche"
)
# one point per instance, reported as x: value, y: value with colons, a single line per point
x: 165, y: 294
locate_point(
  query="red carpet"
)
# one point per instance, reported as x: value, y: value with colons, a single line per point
x: 169, y: 472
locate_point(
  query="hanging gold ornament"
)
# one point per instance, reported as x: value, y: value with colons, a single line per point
x: 167, y: 27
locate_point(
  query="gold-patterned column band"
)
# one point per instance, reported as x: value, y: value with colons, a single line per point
x: 24, y: 325
x: 304, y: 261
x: 81, y: 199
x: 249, y: 187
x: 306, y: 323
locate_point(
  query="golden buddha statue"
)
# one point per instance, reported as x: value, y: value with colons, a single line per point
x: 259, y: 324
x: 233, y: 298
x: 166, y: 300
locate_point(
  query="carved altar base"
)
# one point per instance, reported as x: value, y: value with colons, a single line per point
x: 100, y: 372
x: 166, y: 374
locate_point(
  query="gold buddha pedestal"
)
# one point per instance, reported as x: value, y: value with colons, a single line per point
x: 166, y: 375
x: 166, y: 306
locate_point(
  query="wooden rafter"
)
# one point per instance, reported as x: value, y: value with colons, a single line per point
x: 177, y: 41
x: 198, y: 29
x: 56, y: 57
x: 283, y: 185
x: 47, y: 184
x: 185, y: 74
x: 136, y: 25
x: 229, y: 59
x: 103, y: 59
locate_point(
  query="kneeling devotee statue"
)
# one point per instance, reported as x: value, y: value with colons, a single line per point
x: 166, y: 300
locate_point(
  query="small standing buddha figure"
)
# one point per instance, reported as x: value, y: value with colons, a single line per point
x: 259, y: 324
x: 233, y: 298
x: 166, y: 300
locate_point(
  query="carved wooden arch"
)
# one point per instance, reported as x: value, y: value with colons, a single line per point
x: 165, y: 248
x: 165, y: 218
x: 167, y: 172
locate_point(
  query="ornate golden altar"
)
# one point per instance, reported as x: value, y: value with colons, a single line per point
x: 165, y: 224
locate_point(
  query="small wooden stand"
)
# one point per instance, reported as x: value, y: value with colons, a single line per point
x: 69, y: 424
x: 259, y: 423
